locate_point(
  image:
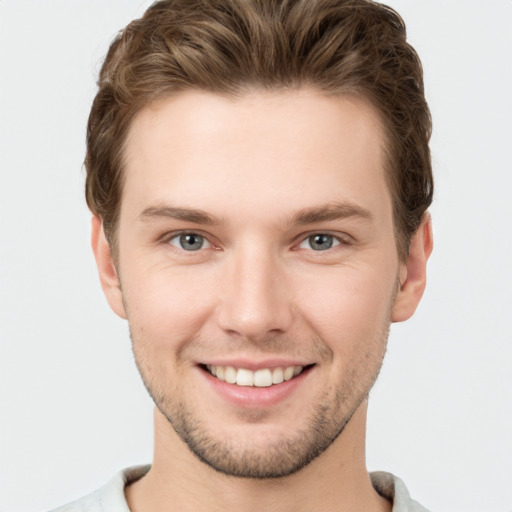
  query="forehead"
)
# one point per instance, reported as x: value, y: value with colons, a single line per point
x: 285, y: 148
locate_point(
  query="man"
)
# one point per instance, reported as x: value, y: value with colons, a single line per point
x: 259, y: 177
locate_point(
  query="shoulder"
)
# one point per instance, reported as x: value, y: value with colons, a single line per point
x: 110, y: 497
x: 392, y: 488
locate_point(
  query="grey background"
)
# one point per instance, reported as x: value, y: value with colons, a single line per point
x: 72, y: 408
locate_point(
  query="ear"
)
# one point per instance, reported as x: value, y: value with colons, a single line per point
x: 106, y: 268
x: 413, y: 273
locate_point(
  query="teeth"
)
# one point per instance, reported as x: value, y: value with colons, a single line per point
x: 244, y: 377
x: 230, y: 375
x: 262, y: 378
x: 288, y: 372
x: 277, y: 376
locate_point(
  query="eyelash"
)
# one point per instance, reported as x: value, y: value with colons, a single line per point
x: 336, y: 241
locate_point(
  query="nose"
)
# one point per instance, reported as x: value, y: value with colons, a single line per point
x: 255, y: 296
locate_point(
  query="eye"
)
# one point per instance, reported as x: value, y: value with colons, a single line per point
x: 319, y: 242
x: 189, y: 242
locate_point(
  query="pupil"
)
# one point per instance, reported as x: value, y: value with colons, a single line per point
x: 191, y: 242
x: 321, y: 242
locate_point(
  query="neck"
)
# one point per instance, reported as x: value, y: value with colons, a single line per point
x: 337, y: 480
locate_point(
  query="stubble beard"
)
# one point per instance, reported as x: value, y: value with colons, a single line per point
x: 276, y: 460
x: 282, y: 457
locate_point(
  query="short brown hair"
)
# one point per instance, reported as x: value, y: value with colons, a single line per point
x: 230, y: 46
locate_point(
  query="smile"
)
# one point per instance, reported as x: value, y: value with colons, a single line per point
x: 264, y: 377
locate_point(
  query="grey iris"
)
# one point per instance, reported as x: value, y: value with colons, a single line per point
x: 321, y: 242
x: 191, y: 242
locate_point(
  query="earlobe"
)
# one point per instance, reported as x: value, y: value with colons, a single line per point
x: 413, y: 273
x: 106, y: 268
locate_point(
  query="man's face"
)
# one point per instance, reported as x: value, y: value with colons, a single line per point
x: 256, y: 242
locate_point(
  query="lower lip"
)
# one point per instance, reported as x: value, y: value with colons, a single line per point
x: 255, y: 397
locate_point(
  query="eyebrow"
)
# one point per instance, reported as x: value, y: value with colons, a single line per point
x: 187, y: 214
x: 324, y: 213
x: 332, y: 211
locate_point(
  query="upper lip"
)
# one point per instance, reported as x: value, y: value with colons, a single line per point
x: 251, y: 364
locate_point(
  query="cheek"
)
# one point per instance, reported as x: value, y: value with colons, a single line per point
x: 166, y: 305
x: 349, y: 308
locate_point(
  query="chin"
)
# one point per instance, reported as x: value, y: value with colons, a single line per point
x: 256, y: 450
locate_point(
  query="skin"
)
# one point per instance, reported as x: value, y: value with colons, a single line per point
x: 267, y: 171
